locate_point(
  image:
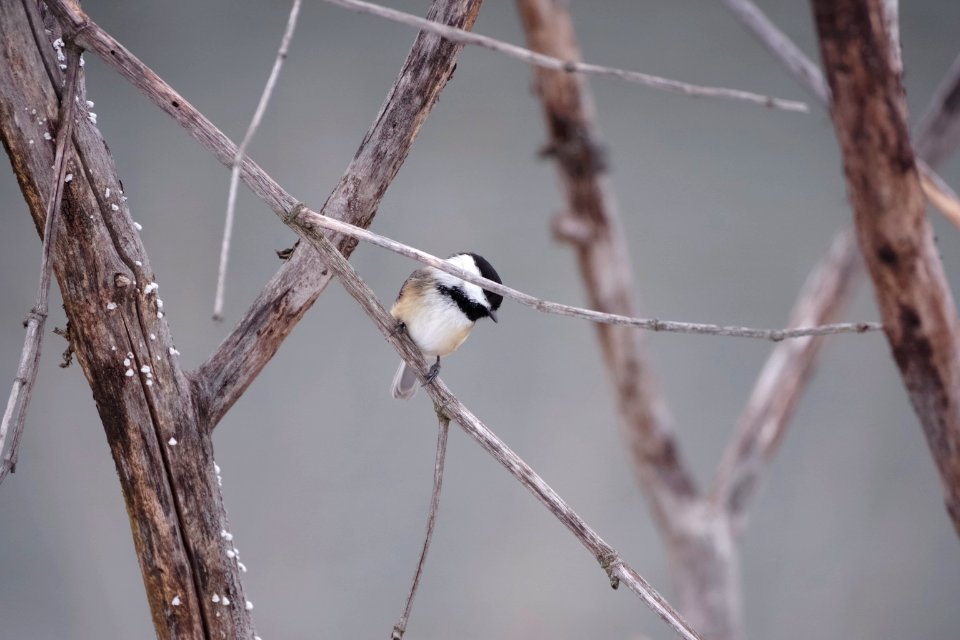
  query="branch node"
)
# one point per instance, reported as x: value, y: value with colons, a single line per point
x: 34, y: 315
x: 290, y: 217
x: 610, y: 562
x: 568, y: 227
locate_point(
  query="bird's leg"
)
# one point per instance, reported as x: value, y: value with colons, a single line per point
x: 433, y: 372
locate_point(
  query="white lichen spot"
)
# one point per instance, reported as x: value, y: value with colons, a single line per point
x: 150, y: 288
x: 225, y: 601
x: 81, y: 64
x: 138, y: 263
x: 159, y: 314
x: 145, y: 369
x: 130, y: 354
x: 159, y: 303
x: 149, y: 383
x: 248, y: 605
x: 226, y: 535
x: 68, y: 177
x: 215, y: 598
x: 63, y: 66
x: 92, y: 117
x: 242, y: 566
x: 58, y: 45
x: 153, y: 336
x: 111, y: 306
x: 114, y: 207
x: 138, y: 226
x: 30, y: 141
x: 231, y: 554
x: 47, y: 136
x: 113, y: 348
x: 126, y: 362
x: 216, y: 468
x: 106, y: 194
x: 129, y: 373
x: 176, y: 601
x: 172, y: 442
x: 173, y: 351
x: 89, y: 104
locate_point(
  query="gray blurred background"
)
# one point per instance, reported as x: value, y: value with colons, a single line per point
x: 327, y: 479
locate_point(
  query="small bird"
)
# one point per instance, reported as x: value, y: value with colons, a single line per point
x: 438, y: 311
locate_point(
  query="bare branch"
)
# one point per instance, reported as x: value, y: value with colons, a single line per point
x: 292, y: 291
x: 19, y: 400
x: 782, y: 382
x: 603, y: 257
x: 938, y: 133
x: 913, y: 294
x: 809, y: 75
x: 302, y: 216
x: 241, y: 151
x: 568, y: 66
x: 443, y: 430
x: 617, y: 570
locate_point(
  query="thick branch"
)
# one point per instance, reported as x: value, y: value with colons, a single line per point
x: 782, y: 382
x: 912, y: 291
x: 566, y: 65
x: 617, y: 570
x: 124, y: 348
x: 223, y: 378
x: 603, y: 257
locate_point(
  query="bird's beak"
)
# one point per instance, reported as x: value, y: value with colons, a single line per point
x: 492, y: 314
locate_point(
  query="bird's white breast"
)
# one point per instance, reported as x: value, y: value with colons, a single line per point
x: 438, y: 327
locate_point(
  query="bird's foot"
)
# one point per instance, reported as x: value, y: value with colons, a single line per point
x: 399, y: 328
x: 433, y: 372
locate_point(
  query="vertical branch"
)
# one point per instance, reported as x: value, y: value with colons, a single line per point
x: 912, y: 291
x: 19, y: 400
x: 238, y: 158
x: 592, y: 224
x: 163, y: 456
x: 442, y: 432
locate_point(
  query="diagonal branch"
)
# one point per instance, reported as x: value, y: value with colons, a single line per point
x: 546, y: 306
x: 223, y: 378
x: 913, y: 294
x: 19, y: 400
x: 604, y: 258
x: 241, y: 152
x: 806, y: 72
x: 617, y: 570
x: 938, y: 133
x: 566, y: 65
x: 782, y: 382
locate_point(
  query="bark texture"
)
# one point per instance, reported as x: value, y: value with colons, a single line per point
x: 124, y: 348
x: 919, y: 315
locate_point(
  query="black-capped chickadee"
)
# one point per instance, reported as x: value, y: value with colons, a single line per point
x: 438, y: 311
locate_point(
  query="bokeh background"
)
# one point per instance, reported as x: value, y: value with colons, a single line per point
x: 327, y: 479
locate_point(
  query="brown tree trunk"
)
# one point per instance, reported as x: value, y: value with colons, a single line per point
x: 124, y: 348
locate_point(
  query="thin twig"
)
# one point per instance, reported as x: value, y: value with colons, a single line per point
x: 443, y: 430
x: 17, y: 403
x: 938, y: 133
x: 241, y: 151
x: 570, y: 66
x: 616, y: 569
x: 302, y: 217
x: 809, y: 75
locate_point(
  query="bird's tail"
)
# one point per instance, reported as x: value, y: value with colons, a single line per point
x: 404, y: 383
